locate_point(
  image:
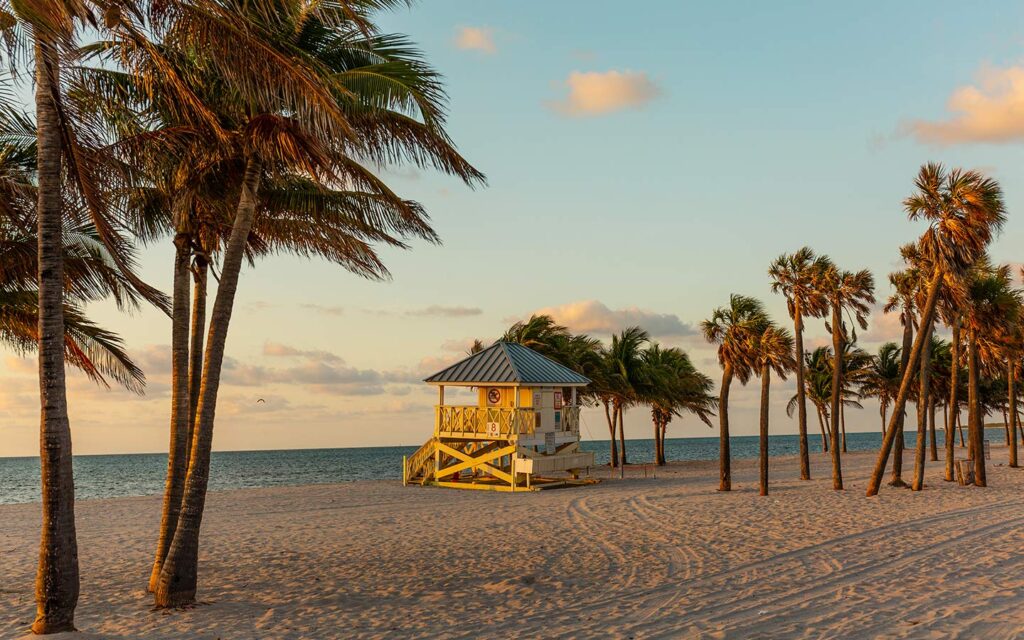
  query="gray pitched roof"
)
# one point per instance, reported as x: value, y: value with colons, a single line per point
x: 509, y: 363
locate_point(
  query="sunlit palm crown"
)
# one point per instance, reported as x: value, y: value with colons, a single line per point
x: 850, y: 291
x: 774, y: 347
x: 732, y: 328
x: 796, y: 276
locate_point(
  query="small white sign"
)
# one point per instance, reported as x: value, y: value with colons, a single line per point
x: 493, y: 430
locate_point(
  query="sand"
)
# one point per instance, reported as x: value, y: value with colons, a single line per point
x: 642, y: 558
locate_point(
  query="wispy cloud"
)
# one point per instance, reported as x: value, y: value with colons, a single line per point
x: 440, y: 311
x: 476, y: 39
x: 276, y: 349
x: 990, y: 110
x: 329, y: 311
x: 599, y: 93
x: 593, y: 316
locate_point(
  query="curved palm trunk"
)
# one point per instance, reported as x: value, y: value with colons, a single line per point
x: 613, y: 458
x: 177, y: 584
x: 975, y: 424
x: 904, y: 392
x: 922, y: 411
x: 195, y: 367
x: 837, y: 377
x: 177, y: 458
x: 766, y: 375
x: 953, y: 411
x: 801, y: 392
x: 57, y: 579
x: 724, y: 458
x: 1011, y: 381
x: 663, y: 460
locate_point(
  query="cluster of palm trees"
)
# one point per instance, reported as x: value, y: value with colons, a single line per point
x: 630, y: 371
x: 234, y: 129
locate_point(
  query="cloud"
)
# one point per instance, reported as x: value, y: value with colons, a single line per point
x: 599, y: 93
x: 476, y: 39
x: 439, y: 311
x: 991, y: 110
x: 275, y: 349
x: 329, y: 311
x: 592, y: 316
x: 883, y: 327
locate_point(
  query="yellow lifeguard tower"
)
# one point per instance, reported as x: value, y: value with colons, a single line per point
x: 523, y: 431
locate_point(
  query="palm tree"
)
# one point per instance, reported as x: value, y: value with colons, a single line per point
x: 797, y: 277
x: 851, y: 292
x: 772, y: 350
x: 817, y: 388
x: 337, y: 117
x: 856, y: 369
x: 674, y: 386
x: 883, y: 379
x: 964, y: 209
x: 625, y: 373
x: 993, y: 306
x: 731, y: 328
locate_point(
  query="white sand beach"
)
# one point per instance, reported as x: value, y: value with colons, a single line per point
x: 643, y: 558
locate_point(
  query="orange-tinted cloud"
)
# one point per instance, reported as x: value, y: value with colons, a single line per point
x: 476, y: 39
x: 593, y: 316
x: 991, y: 110
x: 598, y: 93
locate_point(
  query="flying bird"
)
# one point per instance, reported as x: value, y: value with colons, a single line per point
x: 261, y: 400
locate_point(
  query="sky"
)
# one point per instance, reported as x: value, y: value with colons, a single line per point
x: 642, y: 165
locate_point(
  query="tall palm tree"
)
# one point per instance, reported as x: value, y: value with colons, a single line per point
x: 317, y: 133
x: 731, y: 328
x: 797, y: 276
x: 773, y: 351
x: 852, y: 293
x: 883, y: 380
x: 964, y: 210
x: 904, y: 299
x: 993, y: 307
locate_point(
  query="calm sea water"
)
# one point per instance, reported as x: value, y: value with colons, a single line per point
x: 143, y: 474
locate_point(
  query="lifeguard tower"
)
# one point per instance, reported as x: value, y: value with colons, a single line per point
x: 522, y: 434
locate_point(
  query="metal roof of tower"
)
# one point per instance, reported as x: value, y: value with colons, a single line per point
x: 509, y: 363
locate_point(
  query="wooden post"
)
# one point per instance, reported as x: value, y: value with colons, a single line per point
x: 405, y: 472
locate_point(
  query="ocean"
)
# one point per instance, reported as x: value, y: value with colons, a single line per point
x: 110, y: 476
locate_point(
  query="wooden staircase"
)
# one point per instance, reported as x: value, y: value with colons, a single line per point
x: 419, y: 467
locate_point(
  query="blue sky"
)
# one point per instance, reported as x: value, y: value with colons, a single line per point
x: 643, y: 164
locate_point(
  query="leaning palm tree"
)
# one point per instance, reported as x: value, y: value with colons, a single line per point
x: 797, y: 276
x: 318, y: 133
x: 772, y: 350
x: 964, y: 210
x: 674, y: 386
x: 851, y: 293
x: 731, y: 328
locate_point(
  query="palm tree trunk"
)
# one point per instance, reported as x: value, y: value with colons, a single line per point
x: 801, y: 392
x: 897, y: 462
x: 953, y: 411
x: 922, y: 408
x: 57, y: 579
x: 842, y: 424
x: 766, y: 374
x: 960, y: 428
x: 975, y: 425
x: 901, y: 397
x: 177, y: 584
x: 1012, y: 401
x: 177, y: 458
x: 724, y: 458
x: 932, y: 437
x: 824, y: 435
x: 664, y: 458
x: 657, y: 441
x: 837, y: 377
x: 622, y: 435
x: 195, y: 369
x: 613, y: 459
